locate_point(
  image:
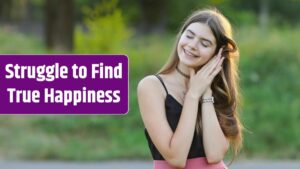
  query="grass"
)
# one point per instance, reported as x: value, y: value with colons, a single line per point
x: 268, y: 68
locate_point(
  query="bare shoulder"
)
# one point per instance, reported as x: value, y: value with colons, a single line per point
x: 150, y: 84
x: 151, y: 96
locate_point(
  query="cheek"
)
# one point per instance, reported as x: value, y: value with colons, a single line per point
x: 178, y: 49
x: 207, y: 53
x: 180, y: 44
x: 183, y: 40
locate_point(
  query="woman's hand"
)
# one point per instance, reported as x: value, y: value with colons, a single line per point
x: 201, y: 81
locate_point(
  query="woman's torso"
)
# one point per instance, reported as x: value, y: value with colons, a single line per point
x: 196, y: 157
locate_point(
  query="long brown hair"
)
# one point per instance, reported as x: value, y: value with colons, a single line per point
x: 225, y: 84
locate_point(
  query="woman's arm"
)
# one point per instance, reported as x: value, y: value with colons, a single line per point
x: 214, y: 140
x: 173, y: 146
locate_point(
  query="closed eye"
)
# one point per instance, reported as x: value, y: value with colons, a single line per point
x: 188, y: 36
x: 205, y: 43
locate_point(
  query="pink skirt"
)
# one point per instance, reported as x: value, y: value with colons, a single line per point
x: 194, y: 163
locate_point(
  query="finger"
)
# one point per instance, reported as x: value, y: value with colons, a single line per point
x: 220, y: 52
x: 219, y: 64
x: 215, y: 59
x: 216, y: 71
x: 217, y: 56
x: 218, y: 67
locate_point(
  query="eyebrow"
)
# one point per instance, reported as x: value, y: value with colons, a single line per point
x: 193, y: 33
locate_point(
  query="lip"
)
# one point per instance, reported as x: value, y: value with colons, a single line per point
x: 187, y: 52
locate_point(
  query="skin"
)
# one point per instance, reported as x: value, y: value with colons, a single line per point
x: 195, y: 50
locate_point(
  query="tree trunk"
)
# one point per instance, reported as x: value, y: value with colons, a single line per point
x: 59, y: 24
x: 264, y: 14
x: 153, y: 15
x: 5, y: 10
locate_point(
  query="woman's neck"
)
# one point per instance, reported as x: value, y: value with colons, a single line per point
x: 182, y: 73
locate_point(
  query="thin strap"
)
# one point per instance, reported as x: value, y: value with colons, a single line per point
x: 162, y: 82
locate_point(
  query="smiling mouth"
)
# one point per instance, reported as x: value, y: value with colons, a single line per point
x: 189, y: 53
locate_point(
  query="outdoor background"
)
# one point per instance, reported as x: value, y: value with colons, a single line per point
x: 267, y: 33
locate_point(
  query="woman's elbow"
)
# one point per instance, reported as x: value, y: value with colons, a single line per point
x: 214, y: 159
x: 216, y: 156
x: 176, y: 162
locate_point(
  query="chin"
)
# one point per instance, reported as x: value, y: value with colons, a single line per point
x: 192, y: 65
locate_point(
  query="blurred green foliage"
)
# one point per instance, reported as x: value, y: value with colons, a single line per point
x: 169, y: 13
x: 18, y: 43
x: 269, y: 71
x: 269, y: 67
x: 106, y: 30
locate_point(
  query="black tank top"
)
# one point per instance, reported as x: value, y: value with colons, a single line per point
x: 173, y: 112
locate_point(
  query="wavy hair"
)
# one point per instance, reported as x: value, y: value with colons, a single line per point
x: 225, y: 85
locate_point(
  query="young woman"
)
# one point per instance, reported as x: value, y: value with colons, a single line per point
x: 189, y: 108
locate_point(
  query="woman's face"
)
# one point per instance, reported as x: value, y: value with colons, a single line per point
x: 196, y: 45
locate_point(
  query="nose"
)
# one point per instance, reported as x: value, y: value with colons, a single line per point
x: 193, y: 44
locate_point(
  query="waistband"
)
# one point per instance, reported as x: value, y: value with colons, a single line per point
x: 194, y: 163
